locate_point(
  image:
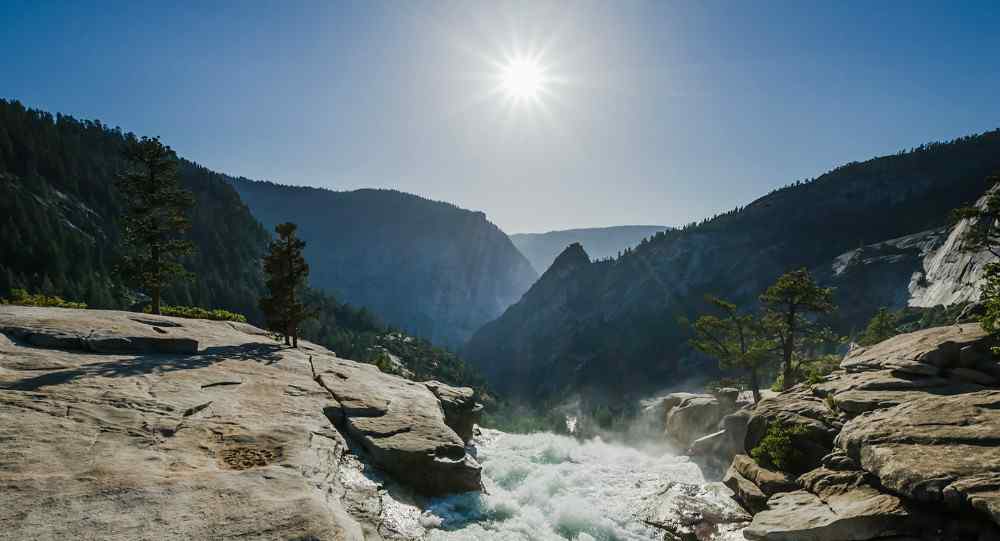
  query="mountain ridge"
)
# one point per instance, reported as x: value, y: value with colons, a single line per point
x: 611, y: 326
x: 429, y: 267
x: 600, y: 242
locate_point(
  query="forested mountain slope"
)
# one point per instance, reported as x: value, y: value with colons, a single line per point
x: 59, y: 234
x: 600, y: 242
x: 612, y: 325
x: 59, y: 210
x: 430, y: 268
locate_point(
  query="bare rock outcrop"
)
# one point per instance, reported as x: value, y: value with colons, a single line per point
x: 913, y: 429
x: 687, y: 512
x: 236, y: 439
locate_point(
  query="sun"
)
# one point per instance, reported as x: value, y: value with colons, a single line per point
x: 522, y: 78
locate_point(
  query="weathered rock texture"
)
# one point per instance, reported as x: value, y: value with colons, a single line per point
x: 911, y: 428
x: 236, y: 440
x: 688, y: 512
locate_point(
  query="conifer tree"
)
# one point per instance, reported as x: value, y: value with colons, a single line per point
x: 155, y: 217
x: 736, y: 339
x: 790, y: 306
x: 286, y: 270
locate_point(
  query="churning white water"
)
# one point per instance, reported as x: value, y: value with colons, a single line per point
x: 550, y: 487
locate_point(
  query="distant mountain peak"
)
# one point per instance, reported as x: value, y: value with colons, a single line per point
x: 600, y: 242
x: 571, y: 257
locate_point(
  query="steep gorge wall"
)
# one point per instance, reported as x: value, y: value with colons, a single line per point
x: 431, y: 268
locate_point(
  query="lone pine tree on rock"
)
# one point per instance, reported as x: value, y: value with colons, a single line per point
x: 286, y: 270
x: 156, y: 208
x: 736, y: 339
x: 791, y: 305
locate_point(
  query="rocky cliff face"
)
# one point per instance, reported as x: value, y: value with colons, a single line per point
x: 428, y: 267
x: 925, y: 269
x: 612, y: 325
x: 150, y: 427
x: 904, y: 440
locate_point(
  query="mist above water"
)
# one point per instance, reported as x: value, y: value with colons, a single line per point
x: 548, y: 487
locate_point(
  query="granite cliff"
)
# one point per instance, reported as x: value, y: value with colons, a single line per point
x: 136, y: 426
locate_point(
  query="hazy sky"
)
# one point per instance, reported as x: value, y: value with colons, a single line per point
x: 654, y: 112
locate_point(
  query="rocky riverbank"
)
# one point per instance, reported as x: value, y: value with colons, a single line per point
x: 902, y: 443
x: 150, y: 427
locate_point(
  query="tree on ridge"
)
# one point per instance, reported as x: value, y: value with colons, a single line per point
x: 736, y: 340
x: 791, y: 305
x: 155, y: 217
x: 287, y: 271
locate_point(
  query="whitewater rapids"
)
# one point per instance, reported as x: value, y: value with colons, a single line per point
x: 548, y: 487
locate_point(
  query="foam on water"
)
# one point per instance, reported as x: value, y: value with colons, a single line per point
x: 549, y: 487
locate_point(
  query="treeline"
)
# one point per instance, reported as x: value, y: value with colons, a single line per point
x: 60, y: 232
x: 76, y: 222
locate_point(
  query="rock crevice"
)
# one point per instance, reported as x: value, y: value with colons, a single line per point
x: 235, y: 439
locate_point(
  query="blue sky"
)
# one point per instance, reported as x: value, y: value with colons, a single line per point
x: 658, y: 112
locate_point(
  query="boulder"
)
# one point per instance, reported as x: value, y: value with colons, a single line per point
x: 401, y: 424
x: 750, y: 496
x: 938, y: 347
x: 770, y: 482
x: 916, y: 451
x: 695, y: 416
x: 797, y: 407
x: 461, y: 411
x: 936, y: 449
x: 687, y: 512
x: 715, y: 451
x: 234, y: 441
x: 857, y: 515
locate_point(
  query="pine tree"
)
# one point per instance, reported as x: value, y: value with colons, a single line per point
x: 791, y: 305
x: 155, y: 217
x: 881, y: 327
x: 736, y: 339
x: 286, y: 270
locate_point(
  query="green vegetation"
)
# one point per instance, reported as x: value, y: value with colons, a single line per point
x: 61, y: 236
x: 882, y: 326
x: 738, y: 341
x: 787, y: 330
x: 520, y: 419
x: 21, y: 297
x: 888, y: 323
x: 777, y: 449
x: 60, y: 209
x: 357, y: 334
x: 790, y: 307
x: 287, y: 272
x: 580, y: 328
x: 194, y: 312
x: 156, y: 208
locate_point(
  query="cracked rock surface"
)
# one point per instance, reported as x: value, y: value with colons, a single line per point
x: 144, y: 437
x: 912, y: 430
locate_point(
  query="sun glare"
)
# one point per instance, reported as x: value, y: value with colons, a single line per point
x: 522, y: 78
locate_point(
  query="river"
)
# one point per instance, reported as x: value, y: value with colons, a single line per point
x: 549, y: 487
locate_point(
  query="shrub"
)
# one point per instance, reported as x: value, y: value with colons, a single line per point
x: 21, y: 297
x: 194, y: 312
x: 820, y: 367
x: 777, y: 449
